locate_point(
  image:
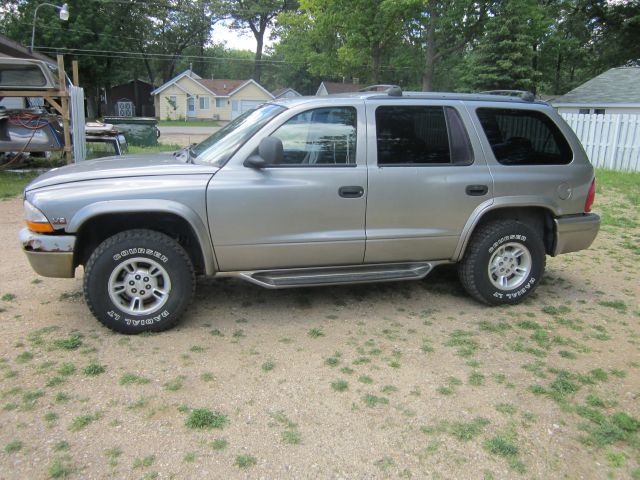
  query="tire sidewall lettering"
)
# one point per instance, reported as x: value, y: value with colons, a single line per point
x: 507, y: 238
x: 140, y: 251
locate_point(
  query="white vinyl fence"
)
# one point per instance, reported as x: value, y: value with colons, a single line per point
x: 612, y: 141
x: 77, y: 123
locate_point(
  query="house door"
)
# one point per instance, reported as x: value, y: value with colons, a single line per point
x: 191, y: 106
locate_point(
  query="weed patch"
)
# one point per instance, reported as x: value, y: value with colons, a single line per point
x: 202, y: 418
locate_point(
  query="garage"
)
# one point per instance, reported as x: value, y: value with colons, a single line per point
x: 238, y: 107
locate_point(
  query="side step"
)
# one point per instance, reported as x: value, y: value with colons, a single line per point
x: 310, y: 277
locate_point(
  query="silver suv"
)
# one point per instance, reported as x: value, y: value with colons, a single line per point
x: 368, y: 187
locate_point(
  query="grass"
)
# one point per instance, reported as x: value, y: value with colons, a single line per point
x: 466, y: 346
x: 340, y: 385
x: 70, y: 343
x: 61, y: 468
x: 67, y: 369
x: 268, y: 366
x: 82, y: 421
x: 175, y: 384
x: 8, y: 297
x: 112, y: 455
x: 159, y: 148
x: 466, y: 431
x: 315, y: 333
x: 12, y: 184
x: 617, y: 305
x: 503, y: 445
x: 476, y: 379
x: 24, y: 357
x: 188, y: 123
x: 131, y: 379
x: 13, y: 446
x: 93, y: 369
x: 373, y: 400
x: 506, y: 408
x: 144, y: 462
x: 291, y: 437
x: 202, y: 418
x: 245, y: 461
x: 219, y: 444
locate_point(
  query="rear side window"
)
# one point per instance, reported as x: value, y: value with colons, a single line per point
x: 421, y: 135
x: 524, y: 137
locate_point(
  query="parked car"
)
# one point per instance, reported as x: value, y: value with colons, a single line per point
x: 367, y: 187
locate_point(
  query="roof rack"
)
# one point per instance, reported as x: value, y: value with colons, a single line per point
x: 523, y: 94
x: 391, y: 90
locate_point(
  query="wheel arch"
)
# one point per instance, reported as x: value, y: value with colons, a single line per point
x: 540, y: 217
x: 97, y: 222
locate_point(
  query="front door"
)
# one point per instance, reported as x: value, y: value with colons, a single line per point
x: 191, y: 106
x: 424, y: 182
x: 307, y: 211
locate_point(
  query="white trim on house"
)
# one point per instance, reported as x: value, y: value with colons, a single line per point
x: 251, y: 80
x: 194, y: 77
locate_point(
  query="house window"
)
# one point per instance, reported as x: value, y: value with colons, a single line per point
x: 204, y: 103
x: 598, y: 111
x: 220, y: 102
x: 584, y: 111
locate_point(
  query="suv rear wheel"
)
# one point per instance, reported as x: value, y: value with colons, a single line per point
x: 504, y: 263
x: 138, y: 280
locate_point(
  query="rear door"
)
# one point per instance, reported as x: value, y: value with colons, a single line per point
x: 426, y: 177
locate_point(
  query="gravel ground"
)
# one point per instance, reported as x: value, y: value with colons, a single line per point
x: 404, y: 380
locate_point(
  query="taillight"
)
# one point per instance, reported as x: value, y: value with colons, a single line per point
x: 591, y: 196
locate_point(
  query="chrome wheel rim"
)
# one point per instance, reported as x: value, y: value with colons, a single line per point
x: 139, y: 286
x: 509, y: 266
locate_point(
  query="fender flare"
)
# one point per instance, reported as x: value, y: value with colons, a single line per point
x: 523, y: 201
x: 147, y: 206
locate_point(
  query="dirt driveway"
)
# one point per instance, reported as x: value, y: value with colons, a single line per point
x: 404, y: 380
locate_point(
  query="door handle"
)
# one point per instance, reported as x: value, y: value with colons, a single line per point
x: 351, y: 192
x: 477, y: 190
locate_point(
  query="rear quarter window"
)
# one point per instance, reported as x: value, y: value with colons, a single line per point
x: 524, y: 137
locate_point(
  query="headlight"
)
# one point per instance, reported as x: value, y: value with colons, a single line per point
x: 36, y: 221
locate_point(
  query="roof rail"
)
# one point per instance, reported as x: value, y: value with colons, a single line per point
x: 391, y: 90
x: 523, y: 94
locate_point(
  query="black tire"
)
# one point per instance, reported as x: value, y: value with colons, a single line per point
x: 490, y: 241
x: 109, y: 282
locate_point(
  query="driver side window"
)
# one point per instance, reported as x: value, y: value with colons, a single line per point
x: 319, y: 137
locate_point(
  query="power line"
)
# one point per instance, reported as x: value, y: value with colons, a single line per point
x: 170, y: 57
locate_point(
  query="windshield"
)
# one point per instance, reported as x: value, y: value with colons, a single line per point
x: 219, y: 147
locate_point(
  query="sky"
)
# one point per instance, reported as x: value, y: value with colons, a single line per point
x: 236, y: 39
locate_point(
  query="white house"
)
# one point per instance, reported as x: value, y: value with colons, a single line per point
x: 615, y: 91
x: 189, y: 96
x: 285, y: 93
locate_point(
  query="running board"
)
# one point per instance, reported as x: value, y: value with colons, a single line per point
x: 317, y: 276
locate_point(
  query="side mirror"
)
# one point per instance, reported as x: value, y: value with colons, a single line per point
x: 269, y: 153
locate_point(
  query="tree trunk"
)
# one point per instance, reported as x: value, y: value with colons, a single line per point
x: 257, y: 68
x: 431, y: 49
x: 556, y: 87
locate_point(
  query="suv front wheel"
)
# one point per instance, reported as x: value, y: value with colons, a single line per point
x: 138, y: 280
x: 503, y: 264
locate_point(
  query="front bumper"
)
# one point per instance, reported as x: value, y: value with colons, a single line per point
x: 575, y: 232
x: 49, y: 255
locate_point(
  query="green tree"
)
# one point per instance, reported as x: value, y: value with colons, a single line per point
x: 503, y: 58
x: 256, y: 16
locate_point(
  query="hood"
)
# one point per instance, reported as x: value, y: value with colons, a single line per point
x: 117, y: 167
